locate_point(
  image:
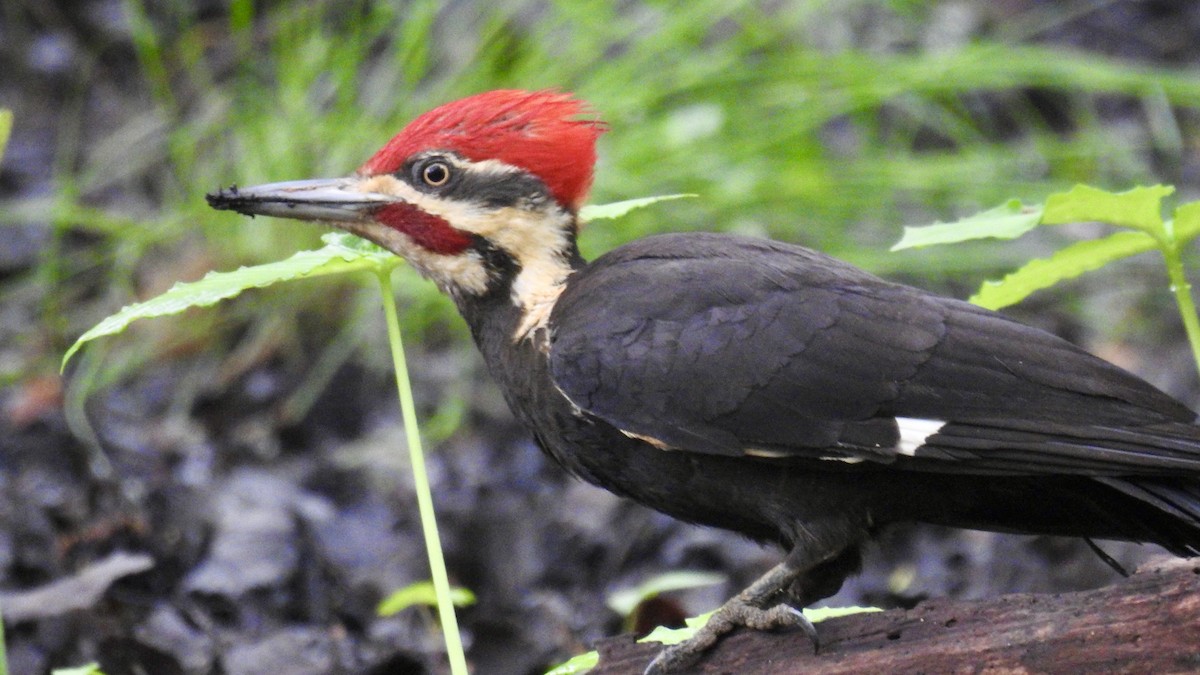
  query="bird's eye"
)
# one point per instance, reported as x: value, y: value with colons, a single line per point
x: 435, y: 174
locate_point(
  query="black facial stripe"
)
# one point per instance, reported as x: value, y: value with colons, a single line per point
x: 502, y: 267
x: 496, y: 190
x: 490, y: 188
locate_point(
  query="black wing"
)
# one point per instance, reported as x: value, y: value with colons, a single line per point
x: 728, y: 345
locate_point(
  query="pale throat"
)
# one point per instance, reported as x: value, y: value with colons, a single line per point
x: 540, y: 242
x: 541, y: 245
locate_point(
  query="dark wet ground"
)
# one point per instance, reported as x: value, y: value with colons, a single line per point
x: 220, y: 537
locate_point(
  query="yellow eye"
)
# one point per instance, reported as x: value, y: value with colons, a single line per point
x: 435, y: 174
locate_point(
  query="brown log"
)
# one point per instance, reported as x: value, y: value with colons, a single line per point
x: 1148, y: 623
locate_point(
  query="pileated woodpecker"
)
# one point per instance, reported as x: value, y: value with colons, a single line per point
x: 749, y: 384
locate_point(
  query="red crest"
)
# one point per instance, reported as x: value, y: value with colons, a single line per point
x: 547, y: 133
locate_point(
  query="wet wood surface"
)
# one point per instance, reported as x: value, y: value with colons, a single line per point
x: 1148, y: 623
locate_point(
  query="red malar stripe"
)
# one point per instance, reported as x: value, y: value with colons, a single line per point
x: 430, y: 232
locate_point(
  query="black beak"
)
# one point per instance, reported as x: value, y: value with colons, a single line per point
x: 336, y: 200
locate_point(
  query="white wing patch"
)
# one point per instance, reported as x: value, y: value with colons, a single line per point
x: 766, y: 452
x: 847, y: 459
x: 784, y: 454
x: 913, y: 433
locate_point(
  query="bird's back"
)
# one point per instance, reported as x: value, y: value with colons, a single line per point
x: 768, y: 354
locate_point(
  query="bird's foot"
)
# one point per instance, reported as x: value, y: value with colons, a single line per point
x: 678, y: 658
x: 745, y: 609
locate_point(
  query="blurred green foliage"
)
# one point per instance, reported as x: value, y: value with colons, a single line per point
x: 1136, y: 214
x: 826, y: 123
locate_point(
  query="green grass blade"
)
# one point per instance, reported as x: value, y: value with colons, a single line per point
x: 6, y: 118
x: 149, y: 51
x: 1007, y: 221
x: 1067, y: 263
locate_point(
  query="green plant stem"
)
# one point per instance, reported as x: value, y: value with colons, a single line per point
x: 5, y: 128
x: 3, y: 652
x: 433, y: 544
x: 1183, y: 296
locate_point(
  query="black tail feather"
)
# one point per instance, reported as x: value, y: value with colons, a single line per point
x: 1106, y: 558
x: 1178, y: 502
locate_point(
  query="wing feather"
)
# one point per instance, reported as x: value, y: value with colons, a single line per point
x: 727, y: 345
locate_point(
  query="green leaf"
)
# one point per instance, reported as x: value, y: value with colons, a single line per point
x: 421, y: 593
x: 618, y: 209
x: 341, y: 254
x: 1007, y: 221
x: 1067, y: 263
x: 624, y: 601
x: 6, y: 119
x: 578, y: 664
x: 670, y: 636
x: 1139, y: 208
x: 87, y: 669
x: 1186, y: 222
x: 821, y: 613
x: 354, y: 244
x: 673, y: 636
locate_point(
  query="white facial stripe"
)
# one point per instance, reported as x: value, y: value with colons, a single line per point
x: 914, y: 432
x: 537, y: 241
x: 488, y: 166
x: 387, y: 184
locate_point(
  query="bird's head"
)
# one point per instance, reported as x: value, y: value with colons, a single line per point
x: 478, y: 194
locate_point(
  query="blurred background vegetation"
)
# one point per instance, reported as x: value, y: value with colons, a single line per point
x: 826, y: 123
x: 831, y: 123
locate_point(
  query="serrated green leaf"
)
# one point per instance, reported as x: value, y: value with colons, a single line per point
x: 1007, y: 221
x: 336, y: 257
x: 618, y: 209
x: 624, y: 601
x: 1139, y: 208
x: 6, y: 119
x: 1067, y: 263
x: 421, y: 593
x: 577, y: 665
